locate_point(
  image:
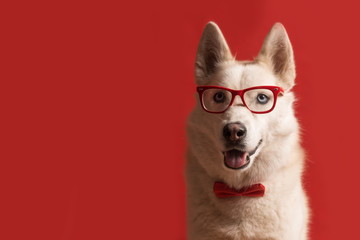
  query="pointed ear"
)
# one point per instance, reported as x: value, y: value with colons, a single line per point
x: 277, y: 53
x: 211, y: 51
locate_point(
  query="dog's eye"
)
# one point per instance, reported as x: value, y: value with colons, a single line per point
x: 219, y: 97
x: 262, y: 98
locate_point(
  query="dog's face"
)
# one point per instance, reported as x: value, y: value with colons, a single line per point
x: 238, y: 145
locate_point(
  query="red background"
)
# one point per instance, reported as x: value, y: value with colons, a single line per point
x: 94, y: 98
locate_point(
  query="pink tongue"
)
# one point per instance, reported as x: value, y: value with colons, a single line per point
x: 235, y: 159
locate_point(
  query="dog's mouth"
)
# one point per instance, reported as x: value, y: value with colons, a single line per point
x: 237, y: 159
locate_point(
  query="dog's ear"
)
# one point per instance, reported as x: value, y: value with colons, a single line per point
x: 211, y: 51
x: 277, y: 53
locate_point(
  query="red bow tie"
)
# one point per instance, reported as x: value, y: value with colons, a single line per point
x: 222, y: 190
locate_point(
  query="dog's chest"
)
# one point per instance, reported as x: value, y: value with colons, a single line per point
x: 257, y: 218
x: 248, y: 215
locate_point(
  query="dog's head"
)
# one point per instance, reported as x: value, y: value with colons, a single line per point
x: 243, y: 122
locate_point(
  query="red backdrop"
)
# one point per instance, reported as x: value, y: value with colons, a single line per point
x: 95, y: 96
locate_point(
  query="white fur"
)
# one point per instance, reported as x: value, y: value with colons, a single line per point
x: 278, y: 163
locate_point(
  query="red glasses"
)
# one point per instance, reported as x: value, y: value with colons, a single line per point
x: 261, y: 99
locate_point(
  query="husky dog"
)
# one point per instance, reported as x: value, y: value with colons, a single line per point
x: 244, y: 160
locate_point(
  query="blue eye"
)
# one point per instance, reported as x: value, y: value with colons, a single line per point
x: 219, y: 97
x: 262, y: 98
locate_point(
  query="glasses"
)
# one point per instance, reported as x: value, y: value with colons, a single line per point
x: 261, y: 99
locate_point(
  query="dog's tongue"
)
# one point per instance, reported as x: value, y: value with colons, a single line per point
x: 235, y: 158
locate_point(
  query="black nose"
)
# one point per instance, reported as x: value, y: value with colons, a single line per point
x: 234, y: 132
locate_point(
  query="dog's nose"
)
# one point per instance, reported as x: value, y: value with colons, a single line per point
x: 234, y: 132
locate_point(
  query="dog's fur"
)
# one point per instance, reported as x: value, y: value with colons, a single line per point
x: 278, y: 162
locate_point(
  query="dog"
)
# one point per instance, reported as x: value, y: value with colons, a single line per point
x: 244, y: 158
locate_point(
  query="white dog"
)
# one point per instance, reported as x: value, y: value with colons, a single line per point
x: 244, y: 161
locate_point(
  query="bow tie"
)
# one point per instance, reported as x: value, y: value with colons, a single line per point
x: 222, y: 190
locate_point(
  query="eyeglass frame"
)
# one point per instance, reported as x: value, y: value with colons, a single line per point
x: 275, y: 89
